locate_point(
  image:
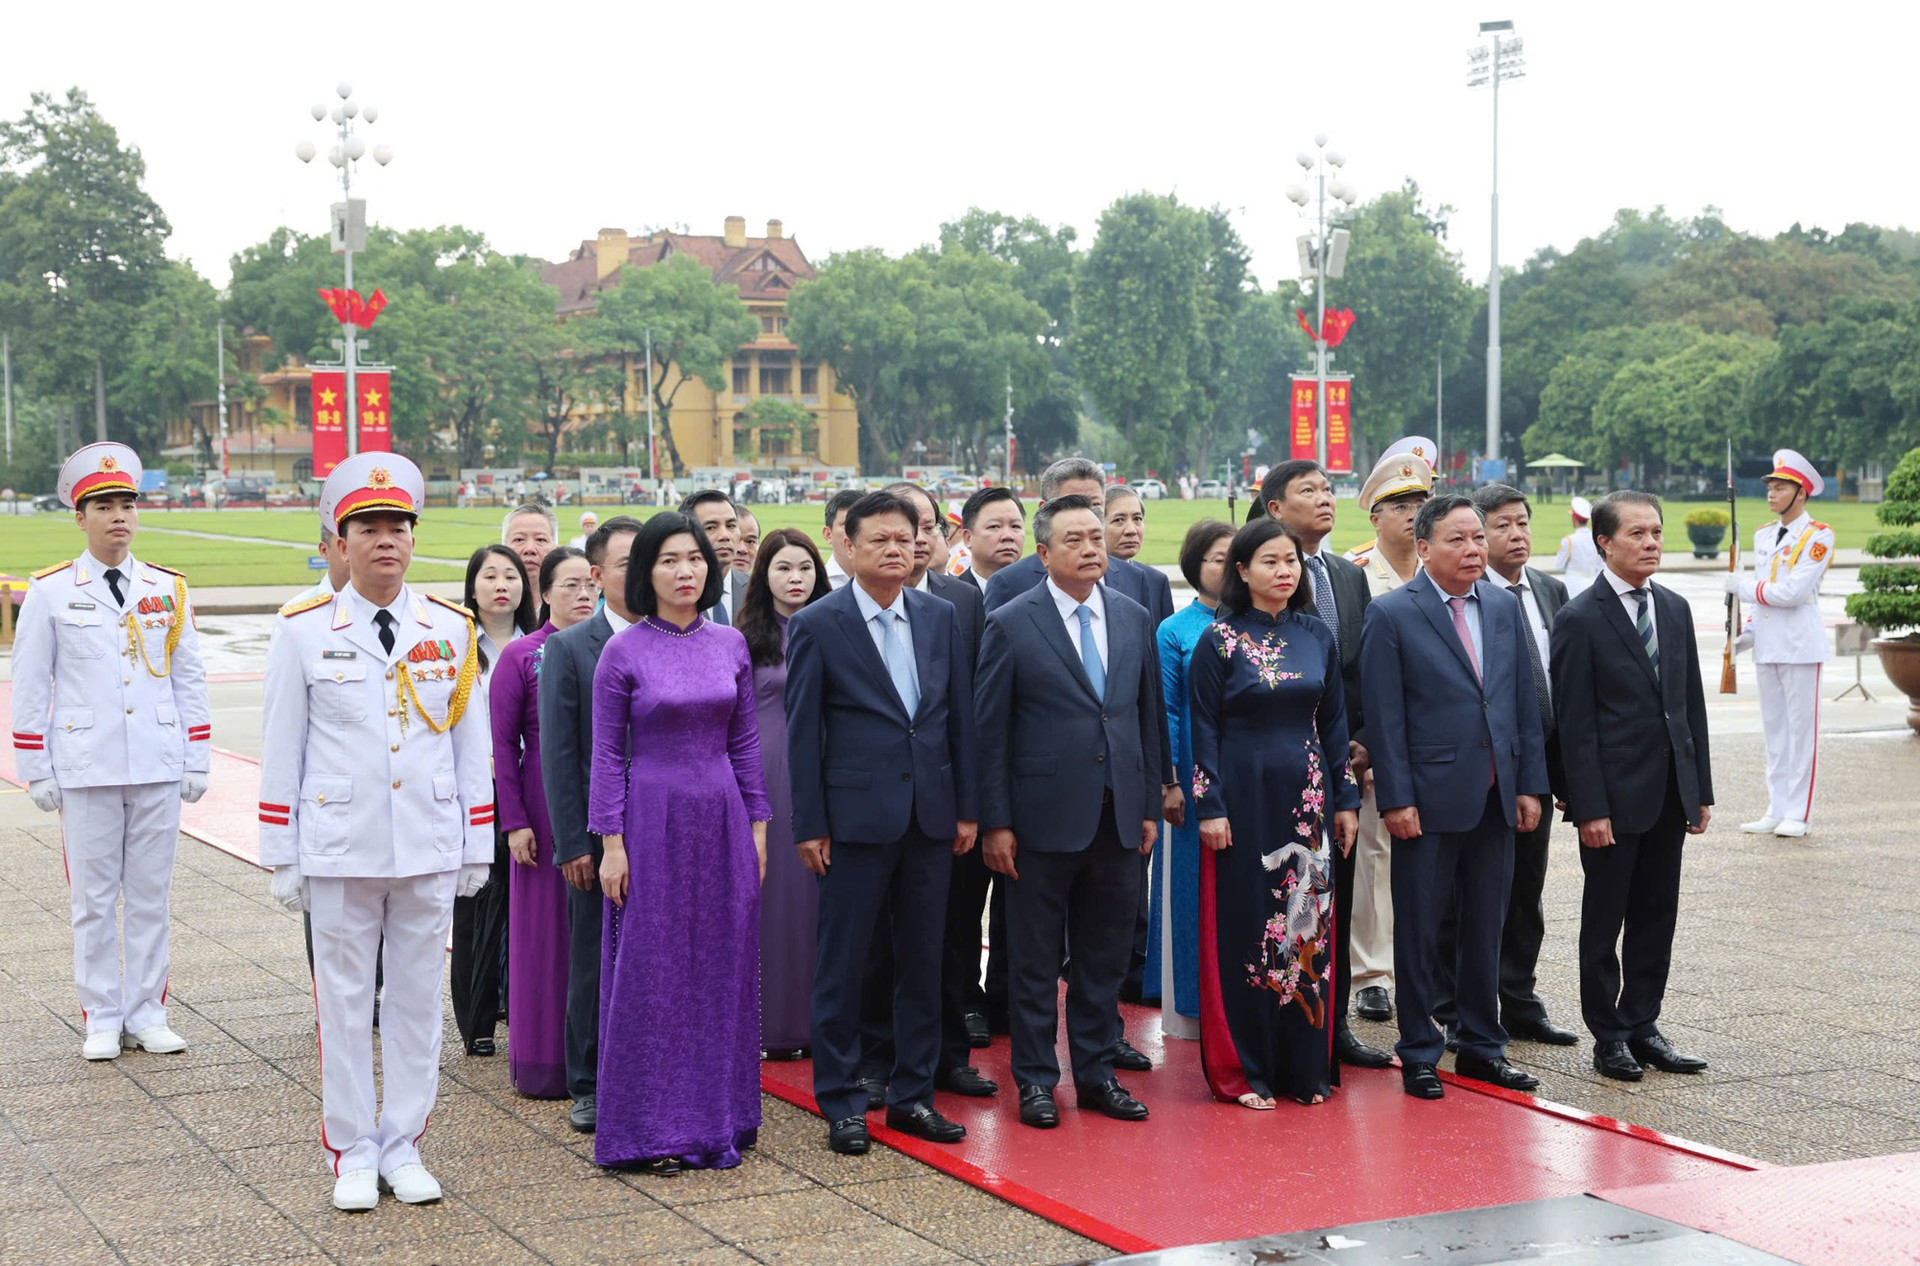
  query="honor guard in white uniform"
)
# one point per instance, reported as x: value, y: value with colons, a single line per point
x: 1406, y: 446
x: 1398, y: 485
x: 376, y: 810
x: 1578, y: 561
x: 110, y: 727
x: 1789, y: 639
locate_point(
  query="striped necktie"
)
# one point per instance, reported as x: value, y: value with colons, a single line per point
x: 1643, y: 624
x: 1323, y: 597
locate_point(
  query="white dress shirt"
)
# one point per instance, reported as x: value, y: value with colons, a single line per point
x: 1472, y: 612
x: 836, y: 574
x: 614, y: 622
x: 1069, y: 607
x: 1631, y: 604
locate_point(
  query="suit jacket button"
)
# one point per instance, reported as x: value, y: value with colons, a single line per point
x: 906, y: 778
x: 910, y: 731
x: 1103, y: 716
x: 1102, y: 756
x: 1483, y: 742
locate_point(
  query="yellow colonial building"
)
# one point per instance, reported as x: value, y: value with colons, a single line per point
x: 272, y: 433
x: 711, y: 428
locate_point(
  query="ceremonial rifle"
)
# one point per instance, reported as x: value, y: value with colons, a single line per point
x: 1727, y: 683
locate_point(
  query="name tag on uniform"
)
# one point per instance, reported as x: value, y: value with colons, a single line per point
x: 339, y: 654
x: 79, y: 606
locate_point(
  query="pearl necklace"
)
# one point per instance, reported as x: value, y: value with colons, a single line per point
x: 660, y: 626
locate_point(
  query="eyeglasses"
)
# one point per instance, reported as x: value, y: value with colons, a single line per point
x: 568, y: 588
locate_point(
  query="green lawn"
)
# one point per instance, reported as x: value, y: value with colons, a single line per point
x: 30, y: 542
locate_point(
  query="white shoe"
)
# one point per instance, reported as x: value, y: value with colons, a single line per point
x: 356, y: 1191
x: 157, y: 1040
x: 412, y: 1184
x: 1760, y: 826
x: 101, y: 1046
x: 1789, y: 829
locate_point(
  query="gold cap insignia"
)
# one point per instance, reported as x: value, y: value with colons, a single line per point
x: 109, y: 462
x: 1406, y: 470
x: 379, y: 477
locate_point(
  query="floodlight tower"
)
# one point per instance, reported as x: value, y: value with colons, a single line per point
x: 1500, y: 55
x: 1323, y: 254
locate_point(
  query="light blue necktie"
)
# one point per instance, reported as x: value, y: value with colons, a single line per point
x: 1323, y: 596
x: 1089, y: 653
x: 899, y: 662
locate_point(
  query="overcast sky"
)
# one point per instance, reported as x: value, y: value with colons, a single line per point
x: 868, y: 124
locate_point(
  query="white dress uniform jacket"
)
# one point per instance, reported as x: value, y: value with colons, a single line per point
x: 354, y: 781
x: 1578, y: 560
x: 1782, y: 593
x: 98, y: 699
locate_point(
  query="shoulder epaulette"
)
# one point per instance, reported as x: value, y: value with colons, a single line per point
x: 171, y: 571
x: 44, y: 572
x: 306, y: 604
x: 450, y: 605
x: 1818, y: 526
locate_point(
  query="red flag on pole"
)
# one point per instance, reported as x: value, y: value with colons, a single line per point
x: 329, y: 420
x: 375, y: 412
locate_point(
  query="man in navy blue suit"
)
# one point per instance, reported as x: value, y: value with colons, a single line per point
x: 880, y: 746
x: 1459, y: 763
x: 1074, y: 732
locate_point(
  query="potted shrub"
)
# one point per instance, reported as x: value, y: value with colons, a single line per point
x: 1889, y: 601
x: 1706, y: 528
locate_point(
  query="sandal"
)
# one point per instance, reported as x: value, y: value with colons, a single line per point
x: 1257, y: 1103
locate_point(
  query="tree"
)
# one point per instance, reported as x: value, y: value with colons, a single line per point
x: 1566, y: 421
x: 1141, y: 319
x: 1266, y: 351
x: 695, y: 326
x: 1847, y: 388
x: 81, y: 244
x: 1412, y: 310
x: 1044, y: 258
x: 857, y: 316
x: 169, y: 358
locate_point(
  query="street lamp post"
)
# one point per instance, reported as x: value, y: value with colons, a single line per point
x: 349, y: 220
x: 1488, y: 64
x: 1323, y: 254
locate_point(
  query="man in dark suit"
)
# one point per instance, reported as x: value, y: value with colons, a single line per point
x: 566, y: 747
x: 1459, y: 764
x: 1633, y: 740
x: 1149, y: 587
x: 994, y: 523
x: 1074, y: 735
x: 1522, y: 1013
x: 880, y: 745
x: 960, y: 994
x: 719, y: 518
x: 1299, y: 494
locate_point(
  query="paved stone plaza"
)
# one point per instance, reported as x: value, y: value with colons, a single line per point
x: 1797, y: 973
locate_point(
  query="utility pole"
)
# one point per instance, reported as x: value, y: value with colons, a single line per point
x: 1439, y: 418
x: 1009, y: 470
x: 653, y: 463
x: 99, y: 401
x: 220, y: 359
x: 6, y: 360
x: 1489, y: 67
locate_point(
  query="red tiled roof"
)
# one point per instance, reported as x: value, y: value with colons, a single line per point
x: 578, y: 281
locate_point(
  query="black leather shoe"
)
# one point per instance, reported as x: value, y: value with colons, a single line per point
x: 1613, y: 1059
x: 1545, y: 1032
x: 585, y: 1115
x: 968, y: 1082
x: 1453, y: 1041
x: 1497, y: 1072
x: 481, y: 1046
x: 1373, y: 1004
x: 1657, y: 1052
x: 923, y: 1122
x: 876, y: 1093
x: 1111, y: 1100
x: 978, y: 1035
x: 849, y: 1137
x: 1126, y: 1059
x: 1037, y: 1107
x: 1421, y: 1081
x: 1355, y: 1053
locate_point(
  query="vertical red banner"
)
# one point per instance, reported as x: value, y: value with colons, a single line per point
x: 376, y: 412
x: 1340, y: 426
x: 329, y: 420
x: 1302, y: 419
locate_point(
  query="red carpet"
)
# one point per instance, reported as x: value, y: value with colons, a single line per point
x: 1199, y: 1171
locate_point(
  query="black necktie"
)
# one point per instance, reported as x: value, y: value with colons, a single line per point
x: 113, y: 583
x: 1781, y: 539
x: 1533, y: 660
x: 385, y: 620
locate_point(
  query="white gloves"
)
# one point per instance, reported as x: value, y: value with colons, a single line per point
x: 472, y: 879
x: 1731, y: 583
x: 288, y: 887
x: 192, y: 787
x: 45, y: 794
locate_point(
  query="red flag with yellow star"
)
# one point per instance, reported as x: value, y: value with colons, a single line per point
x: 329, y: 421
x: 376, y: 413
